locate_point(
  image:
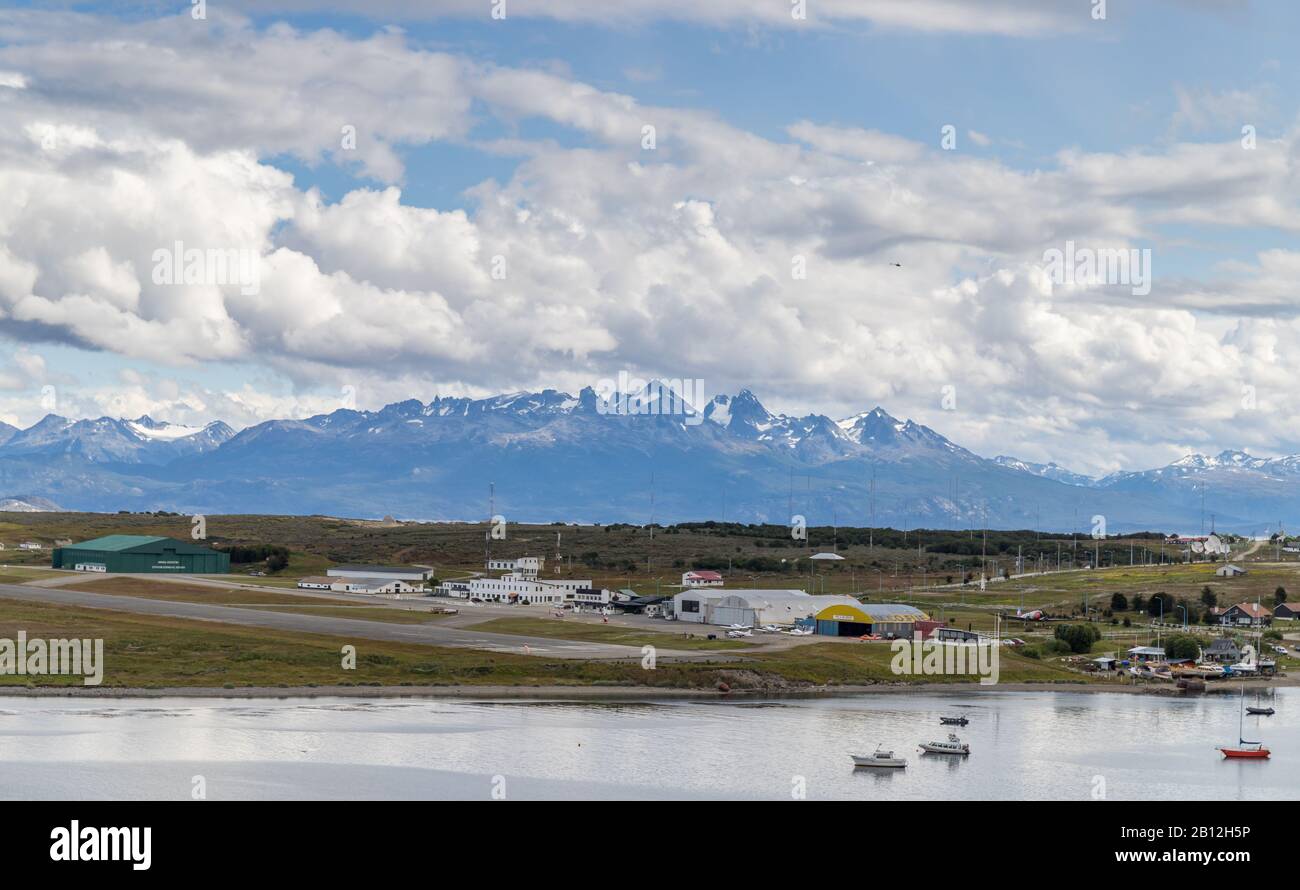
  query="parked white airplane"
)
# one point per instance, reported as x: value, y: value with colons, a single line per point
x: 740, y: 633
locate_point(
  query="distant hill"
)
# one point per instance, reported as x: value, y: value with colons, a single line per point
x: 591, y: 458
x: 26, y: 503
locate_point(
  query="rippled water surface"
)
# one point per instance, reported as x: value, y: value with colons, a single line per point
x: 1024, y: 744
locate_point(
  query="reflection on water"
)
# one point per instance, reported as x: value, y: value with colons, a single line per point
x: 1039, y: 745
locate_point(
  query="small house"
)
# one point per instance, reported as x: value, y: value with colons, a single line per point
x: 1224, y: 651
x: 1144, y: 654
x: 1286, y: 611
x: 1246, y: 615
x: 702, y: 578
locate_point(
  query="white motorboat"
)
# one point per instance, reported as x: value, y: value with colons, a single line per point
x: 881, y: 758
x: 954, y: 745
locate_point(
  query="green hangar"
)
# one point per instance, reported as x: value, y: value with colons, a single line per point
x: 143, y: 554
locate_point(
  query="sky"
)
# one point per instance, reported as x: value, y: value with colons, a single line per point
x: 245, y: 210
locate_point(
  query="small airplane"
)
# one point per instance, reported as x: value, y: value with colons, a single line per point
x: 740, y: 633
x: 740, y: 626
x: 799, y: 631
x: 1031, y: 615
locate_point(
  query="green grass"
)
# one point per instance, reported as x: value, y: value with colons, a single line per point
x: 143, y: 651
x: 11, y: 574
x: 871, y: 663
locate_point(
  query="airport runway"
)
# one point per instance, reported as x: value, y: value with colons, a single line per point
x: 428, y: 634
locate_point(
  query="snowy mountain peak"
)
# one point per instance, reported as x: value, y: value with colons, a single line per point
x: 1226, y: 458
x: 1049, y: 470
x: 147, y: 428
x: 742, y: 413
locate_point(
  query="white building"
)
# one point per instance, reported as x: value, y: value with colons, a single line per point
x: 525, y: 591
x: 391, y: 573
x: 749, y: 607
x: 1229, y: 571
x: 375, y: 585
x: 701, y: 578
x: 528, y: 566
x: 360, y: 585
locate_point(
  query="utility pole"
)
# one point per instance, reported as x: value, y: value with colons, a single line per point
x: 492, y: 512
x: 650, y: 552
x: 984, y: 547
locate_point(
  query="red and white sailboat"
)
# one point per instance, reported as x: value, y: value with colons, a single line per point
x: 1245, y: 750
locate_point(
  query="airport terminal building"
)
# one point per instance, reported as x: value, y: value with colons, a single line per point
x: 141, y: 554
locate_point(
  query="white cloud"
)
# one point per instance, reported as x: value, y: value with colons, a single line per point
x: 1201, y: 110
x: 921, y: 264
x: 222, y: 85
x: 1016, y: 18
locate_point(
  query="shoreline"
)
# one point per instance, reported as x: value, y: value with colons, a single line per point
x: 612, y: 693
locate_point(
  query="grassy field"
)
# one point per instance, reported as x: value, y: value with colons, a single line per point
x: 144, y: 651
x: 602, y: 633
x: 12, y: 574
x: 936, y: 571
x: 878, y: 562
x: 256, y: 599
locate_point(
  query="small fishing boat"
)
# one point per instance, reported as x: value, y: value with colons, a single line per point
x: 954, y: 721
x: 881, y: 759
x: 1259, y: 709
x: 954, y: 745
x: 1244, y: 750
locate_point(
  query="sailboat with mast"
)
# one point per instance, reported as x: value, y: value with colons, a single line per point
x: 1245, y: 750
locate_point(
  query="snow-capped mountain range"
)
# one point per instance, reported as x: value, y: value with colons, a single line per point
x: 603, y: 458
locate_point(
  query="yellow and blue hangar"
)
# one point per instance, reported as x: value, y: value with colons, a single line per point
x: 846, y: 617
